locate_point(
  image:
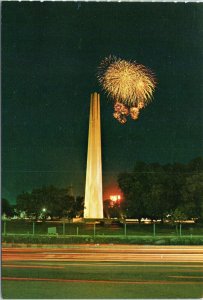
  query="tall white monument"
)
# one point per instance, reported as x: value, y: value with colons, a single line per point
x: 93, y: 188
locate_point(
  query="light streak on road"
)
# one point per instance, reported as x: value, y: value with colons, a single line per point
x: 107, y: 254
x: 33, y: 266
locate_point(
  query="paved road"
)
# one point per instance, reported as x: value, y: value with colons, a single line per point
x: 102, y: 272
x: 98, y: 253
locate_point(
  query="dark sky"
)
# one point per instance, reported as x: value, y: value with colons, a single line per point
x: 50, y: 55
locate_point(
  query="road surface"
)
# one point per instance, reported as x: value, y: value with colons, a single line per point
x: 102, y: 272
x: 108, y: 253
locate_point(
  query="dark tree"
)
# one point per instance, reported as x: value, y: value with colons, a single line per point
x: 113, y: 209
x: 6, y: 208
x: 192, y: 194
x: 79, y: 206
x: 154, y: 191
x: 76, y: 207
x: 47, y: 201
x: 24, y: 203
x: 134, y: 188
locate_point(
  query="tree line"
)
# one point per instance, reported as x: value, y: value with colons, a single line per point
x: 151, y: 190
x: 47, y: 201
x: 157, y: 191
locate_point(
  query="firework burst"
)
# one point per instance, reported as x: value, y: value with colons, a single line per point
x: 127, y: 82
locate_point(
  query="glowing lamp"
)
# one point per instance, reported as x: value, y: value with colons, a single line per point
x: 115, y: 197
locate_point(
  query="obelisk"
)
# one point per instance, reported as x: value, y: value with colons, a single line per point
x: 93, y: 187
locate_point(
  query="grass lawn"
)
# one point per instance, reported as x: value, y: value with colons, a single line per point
x: 26, y: 227
x: 113, y: 280
x: 47, y: 290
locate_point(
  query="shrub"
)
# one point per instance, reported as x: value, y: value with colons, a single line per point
x: 45, y: 239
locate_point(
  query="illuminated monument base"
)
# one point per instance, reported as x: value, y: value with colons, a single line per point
x: 93, y: 187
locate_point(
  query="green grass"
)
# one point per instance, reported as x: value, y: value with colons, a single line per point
x: 21, y: 231
x: 26, y: 227
x: 117, y: 271
x: 46, y: 290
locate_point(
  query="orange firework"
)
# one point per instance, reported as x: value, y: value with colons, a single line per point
x: 127, y: 82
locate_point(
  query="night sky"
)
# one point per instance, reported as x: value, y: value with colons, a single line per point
x: 50, y: 55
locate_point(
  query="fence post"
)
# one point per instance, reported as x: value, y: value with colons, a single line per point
x: 63, y: 228
x: 154, y: 229
x: 125, y: 229
x: 77, y: 230
x: 94, y: 229
x: 33, y: 228
x: 180, y: 229
x: 4, y: 227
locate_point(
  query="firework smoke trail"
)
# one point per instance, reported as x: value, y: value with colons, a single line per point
x: 130, y: 84
x: 126, y: 82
